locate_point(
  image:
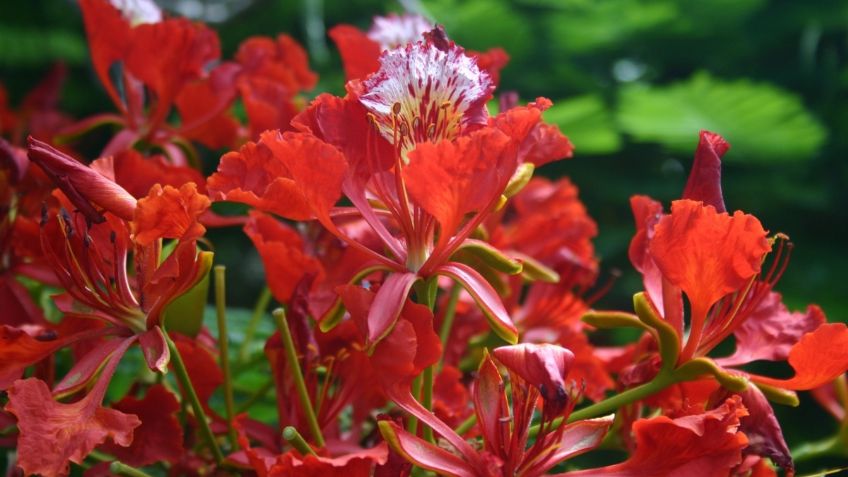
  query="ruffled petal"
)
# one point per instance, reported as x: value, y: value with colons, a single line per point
x: 168, y: 212
x: 707, y: 254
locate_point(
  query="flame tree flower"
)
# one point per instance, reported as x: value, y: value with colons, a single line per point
x: 88, y: 243
x: 414, y: 151
x: 537, y: 373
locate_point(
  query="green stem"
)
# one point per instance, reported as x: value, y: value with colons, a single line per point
x: 191, y: 395
x: 294, y: 364
x: 450, y: 314
x: 259, y: 394
x: 224, y: 352
x: 660, y: 382
x: 467, y: 424
x: 258, y: 311
x: 297, y: 441
x: 412, y: 424
x: 427, y: 399
x: 123, y: 469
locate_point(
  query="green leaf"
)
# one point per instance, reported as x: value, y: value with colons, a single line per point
x: 762, y: 122
x: 587, y: 123
x: 38, y: 47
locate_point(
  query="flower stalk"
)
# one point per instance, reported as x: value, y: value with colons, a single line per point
x: 291, y: 355
x: 224, y: 345
x: 189, y: 393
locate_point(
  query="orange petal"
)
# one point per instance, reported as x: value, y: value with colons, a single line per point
x: 818, y: 358
x: 169, y: 213
x: 708, y: 254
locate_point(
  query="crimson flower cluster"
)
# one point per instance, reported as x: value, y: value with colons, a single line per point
x: 436, y: 298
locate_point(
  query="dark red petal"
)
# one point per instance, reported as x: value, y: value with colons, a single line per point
x: 704, y: 182
x: 52, y: 434
x: 486, y: 297
x: 160, y: 435
x: 388, y: 303
x: 770, y: 331
x: 81, y: 183
x: 763, y: 430
x: 491, y: 406
x: 423, y: 454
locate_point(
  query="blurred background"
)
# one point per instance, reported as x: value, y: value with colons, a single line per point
x: 633, y: 81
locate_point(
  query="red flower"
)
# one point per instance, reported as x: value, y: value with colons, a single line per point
x: 103, y: 304
x: 716, y: 260
x: 411, y: 150
x: 165, y: 61
x: 536, y: 372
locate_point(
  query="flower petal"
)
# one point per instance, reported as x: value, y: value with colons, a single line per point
x: 282, y: 251
x: 485, y: 296
x: 423, y: 454
x: 701, y: 445
x: 388, y: 303
x: 770, y: 331
x: 706, y: 253
x: 160, y: 435
x: 168, y: 212
x: 543, y: 366
x: 452, y: 178
x: 52, y: 434
x: 704, y: 182
x: 817, y: 358
x: 360, y: 54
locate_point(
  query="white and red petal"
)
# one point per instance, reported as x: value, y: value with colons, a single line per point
x: 426, y: 93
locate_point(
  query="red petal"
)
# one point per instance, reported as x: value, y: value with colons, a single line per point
x: 155, y: 349
x: 160, y: 435
x: 19, y: 349
x: 763, y: 429
x: 137, y: 174
x: 578, y: 438
x: 282, y: 251
x: 169, y: 213
x: 770, y: 331
x: 360, y: 54
x: 702, y: 445
x: 540, y: 143
x: 491, y: 406
x: 543, y: 366
x: 52, y: 434
x: 704, y: 182
x: 706, y: 253
x: 283, y: 61
x: 388, y: 303
x: 817, y: 358
x: 424, y: 454
x: 81, y: 183
x: 108, y: 38
x: 16, y: 303
x: 486, y: 297
x: 167, y: 55
x: 453, y: 178
x: 294, y: 175
x: 203, y: 108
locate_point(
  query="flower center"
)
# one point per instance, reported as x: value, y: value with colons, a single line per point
x: 423, y: 93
